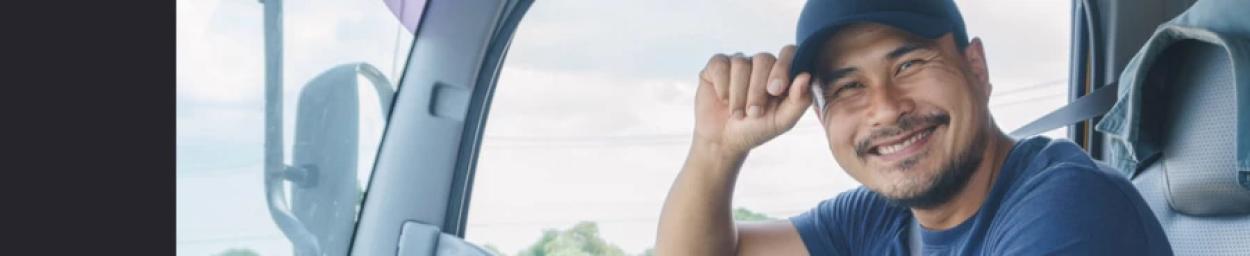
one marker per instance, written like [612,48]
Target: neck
[967,201]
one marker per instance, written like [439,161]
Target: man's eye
[908,64]
[848,86]
[853,85]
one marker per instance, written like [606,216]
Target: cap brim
[924,26]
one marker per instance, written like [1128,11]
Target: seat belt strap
[1089,106]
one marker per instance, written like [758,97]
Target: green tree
[493,250]
[740,214]
[238,252]
[582,239]
[743,214]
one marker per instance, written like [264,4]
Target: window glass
[593,114]
[221,199]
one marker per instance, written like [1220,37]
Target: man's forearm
[697,219]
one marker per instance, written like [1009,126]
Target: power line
[1051,83]
[682,136]
[1027,100]
[180,175]
[659,138]
[641,140]
[234,239]
[779,214]
[685,136]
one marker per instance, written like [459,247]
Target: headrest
[1184,106]
[1196,116]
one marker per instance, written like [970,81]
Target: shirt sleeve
[855,222]
[819,230]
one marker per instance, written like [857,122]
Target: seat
[1192,187]
[1182,127]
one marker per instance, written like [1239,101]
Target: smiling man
[903,96]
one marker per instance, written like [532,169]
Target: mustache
[905,123]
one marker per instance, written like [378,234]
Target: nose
[886,105]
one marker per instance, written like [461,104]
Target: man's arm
[740,103]
[697,219]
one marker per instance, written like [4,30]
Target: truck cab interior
[1159,89]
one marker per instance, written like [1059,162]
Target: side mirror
[324,192]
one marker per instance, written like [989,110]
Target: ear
[975,55]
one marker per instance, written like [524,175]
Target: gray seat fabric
[1192,186]
[1180,127]
[1193,235]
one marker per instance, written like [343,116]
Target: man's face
[905,116]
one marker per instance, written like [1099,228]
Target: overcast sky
[591,119]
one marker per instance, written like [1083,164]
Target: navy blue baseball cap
[822,18]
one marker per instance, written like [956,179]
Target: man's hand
[743,102]
[736,110]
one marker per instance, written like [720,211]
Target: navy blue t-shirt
[1049,198]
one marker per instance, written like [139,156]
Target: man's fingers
[779,76]
[717,73]
[739,81]
[800,98]
[706,91]
[757,96]
[747,84]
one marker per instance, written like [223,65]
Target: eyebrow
[909,46]
[903,50]
[829,77]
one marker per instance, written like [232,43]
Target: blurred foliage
[743,214]
[582,239]
[238,252]
[493,250]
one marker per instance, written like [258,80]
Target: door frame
[425,163]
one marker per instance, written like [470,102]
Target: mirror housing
[325,194]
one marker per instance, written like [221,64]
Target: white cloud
[1025,41]
[532,102]
[219,54]
[669,39]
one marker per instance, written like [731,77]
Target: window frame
[422,177]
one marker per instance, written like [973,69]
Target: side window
[593,116]
[1027,47]
[341,62]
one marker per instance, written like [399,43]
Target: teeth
[890,149]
